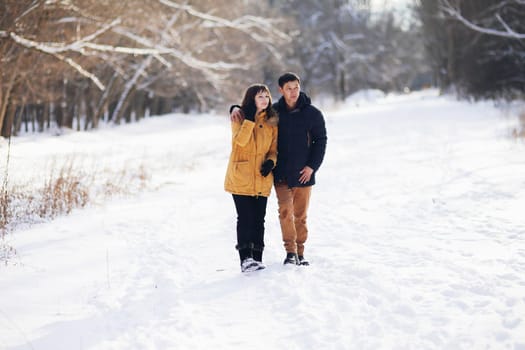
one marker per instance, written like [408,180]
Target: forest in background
[78,63]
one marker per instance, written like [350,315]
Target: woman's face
[262,100]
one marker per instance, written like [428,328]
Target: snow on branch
[126,50]
[81,70]
[102,30]
[55,49]
[80,45]
[241,23]
[259,29]
[85,42]
[33,6]
[185,58]
[507,33]
[244,24]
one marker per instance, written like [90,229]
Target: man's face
[290,92]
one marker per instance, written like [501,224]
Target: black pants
[250,225]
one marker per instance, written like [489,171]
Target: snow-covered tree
[477,45]
[327,47]
[341,47]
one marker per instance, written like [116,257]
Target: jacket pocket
[241,175]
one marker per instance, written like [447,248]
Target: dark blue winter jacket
[301,141]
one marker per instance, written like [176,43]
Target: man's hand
[236,115]
[306,174]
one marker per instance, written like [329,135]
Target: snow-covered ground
[417,241]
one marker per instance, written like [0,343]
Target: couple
[283,144]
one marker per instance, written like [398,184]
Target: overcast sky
[403,15]
[391,3]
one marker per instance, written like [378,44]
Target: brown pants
[293,206]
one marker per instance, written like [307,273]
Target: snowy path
[417,242]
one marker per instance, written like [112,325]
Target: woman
[249,176]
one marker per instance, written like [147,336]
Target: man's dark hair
[287,77]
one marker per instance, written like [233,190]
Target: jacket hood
[271,119]
[302,101]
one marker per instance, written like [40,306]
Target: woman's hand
[236,115]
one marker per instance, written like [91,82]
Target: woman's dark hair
[248,102]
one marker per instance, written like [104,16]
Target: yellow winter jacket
[252,144]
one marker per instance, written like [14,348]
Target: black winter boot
[291,258]
[303,261]
[257,252]
[245,251]
[257,255]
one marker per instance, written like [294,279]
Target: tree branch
[79,45]
[81,70]
[508,33]
[244,24]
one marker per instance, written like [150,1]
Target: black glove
[266,167]
[232,107]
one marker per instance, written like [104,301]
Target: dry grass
[62,192]
[520,132]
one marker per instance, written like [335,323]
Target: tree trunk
[73,105]
[342,84]
[130,87]
[69,106]
[7,127]
[139,105]
[47,116]
[128,113]
[6,97]
[40,115]
[167,105]
[103,103]
[26,117]
[78,112]
[58,111]
[122,106]
[154,105]
[90,109]
[18,119]
[451,57]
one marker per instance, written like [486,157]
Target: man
[301,146]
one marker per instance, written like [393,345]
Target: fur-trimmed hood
[273,119]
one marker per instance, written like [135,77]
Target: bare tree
[507,32]
[138,48]
[476,45]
